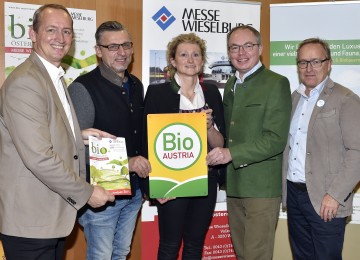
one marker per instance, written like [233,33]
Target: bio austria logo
[178,146]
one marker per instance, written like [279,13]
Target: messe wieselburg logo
[178,146]
[163,18]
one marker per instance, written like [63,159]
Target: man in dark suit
[322,158]
[257,106]
[41,147]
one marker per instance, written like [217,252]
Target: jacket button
[76,157]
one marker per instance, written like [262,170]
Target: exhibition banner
[18,46]
[211,20]
[217,244]
[177,148]
[332,21]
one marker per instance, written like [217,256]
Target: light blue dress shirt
[299,129]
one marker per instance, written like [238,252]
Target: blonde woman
[187,219]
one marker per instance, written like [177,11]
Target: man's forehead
[109,35]
[49,13]
[243,34]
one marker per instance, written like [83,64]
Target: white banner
[81,57]
[335,22]
[210,20]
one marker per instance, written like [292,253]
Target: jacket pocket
[327,113]
[253,105]
[329,178]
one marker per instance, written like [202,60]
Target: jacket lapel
[324,95]
[295,100]
[77,131]
[54,94]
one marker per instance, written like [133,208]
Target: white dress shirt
[241,80]
[56,75]
[198,100]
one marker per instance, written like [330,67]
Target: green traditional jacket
[257,120]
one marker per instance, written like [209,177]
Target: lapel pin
[320,103]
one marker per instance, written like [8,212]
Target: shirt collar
[255,68]
[315,91]
[110,75]
[178,81]
[54,72]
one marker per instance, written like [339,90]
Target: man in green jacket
[257,106]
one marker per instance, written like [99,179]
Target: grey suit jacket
[332,162]
[40,160]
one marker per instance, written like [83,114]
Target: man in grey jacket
[322,159]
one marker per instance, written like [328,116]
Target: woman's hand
[164,200]
[209,118]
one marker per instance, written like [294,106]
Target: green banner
[343,52]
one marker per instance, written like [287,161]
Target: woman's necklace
[189,96]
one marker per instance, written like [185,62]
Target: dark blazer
[164,98]
[40,160]
[101,104]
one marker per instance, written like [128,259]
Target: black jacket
[164,98]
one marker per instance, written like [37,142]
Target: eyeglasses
[303,64]
[246,47]
[115,47]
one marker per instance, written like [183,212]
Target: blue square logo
[163,18]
